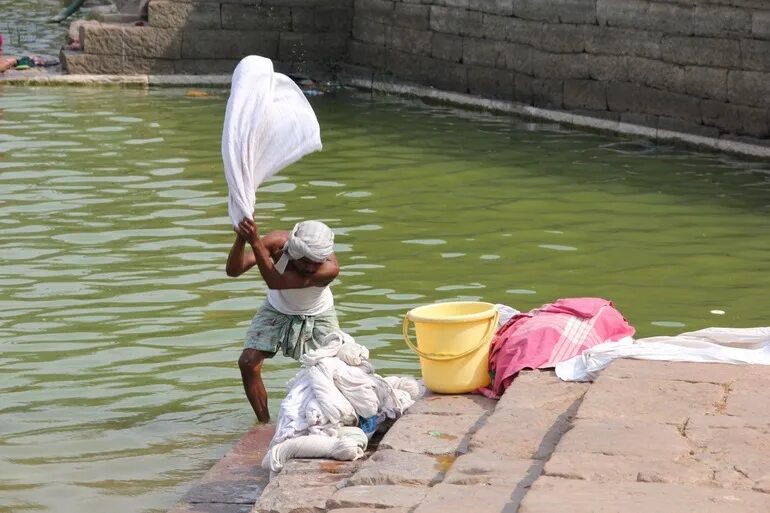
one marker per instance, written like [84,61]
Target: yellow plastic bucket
[453,344]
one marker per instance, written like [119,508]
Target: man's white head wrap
[309,239]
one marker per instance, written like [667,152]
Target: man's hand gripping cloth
[269,125]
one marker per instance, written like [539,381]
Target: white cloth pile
[269,125]
[710,345]
[335,388]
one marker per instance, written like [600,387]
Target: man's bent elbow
[232,273]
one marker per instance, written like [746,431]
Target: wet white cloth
[348,445]
[268,125]
[329,393]
[710,345]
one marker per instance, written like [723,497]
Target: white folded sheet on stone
[268,125]
[335,386]
[710,345]
[348,445]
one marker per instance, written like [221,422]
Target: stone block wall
[694,66]
[210,36]
[700,66]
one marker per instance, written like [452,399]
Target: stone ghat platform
[645,437]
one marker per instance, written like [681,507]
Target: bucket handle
[442,357]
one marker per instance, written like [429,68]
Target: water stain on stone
[332,467]
[444,462]
[442,436]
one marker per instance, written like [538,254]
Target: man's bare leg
[250,364]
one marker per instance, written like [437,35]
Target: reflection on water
[119,330]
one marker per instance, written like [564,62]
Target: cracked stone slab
[287,493]
[661,401]
[539,390]
[488,468]
[739,455]
[210,507]
[530,433]
[613,468]
[437,404]
[624,368]
[381,496]
[444,498]
[317,467]
[429,434]
[550,494]
[746,398]
[627,437]
[389,467]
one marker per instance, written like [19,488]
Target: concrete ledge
[133,81]
[725,144]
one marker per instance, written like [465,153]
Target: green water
[119,330]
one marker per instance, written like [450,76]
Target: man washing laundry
[298,313]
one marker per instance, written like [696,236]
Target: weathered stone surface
[256,17]
[561,38]
[411,40]
[742,395]
[657,74]
[633,437]
[705,83]
[228,44]
[749,88]
[371,510]
[413,16]
[452,497]
[488,468]
[526,433]
[287,493]
[301,47]
[318,467]
[740,119]
[448,76]
[504,7]
[540,390]
[371,32]
[694,127]
[429,434]
[447,47]
[386,467]
[621,41]
[380,11]
[518,58]
[739,455]
[700,51]
[490,82]
[522,90]
[131,41]
[611,398]
[720,21]
[755,55]
[561,11]
[384,496]
[548,494]
[321,19]
[608,67]
[722,115]
[547,93]
[585,94]
[525,32]
[626,368]
[210,507]
[205,66]
[614,468]
[621,13]
[484,52]
[80,63]
[178,15]
[760,24]
[558,65]
[367,55]
[452,20]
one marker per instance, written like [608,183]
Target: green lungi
[271,330]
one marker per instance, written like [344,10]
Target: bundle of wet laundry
[335,403]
